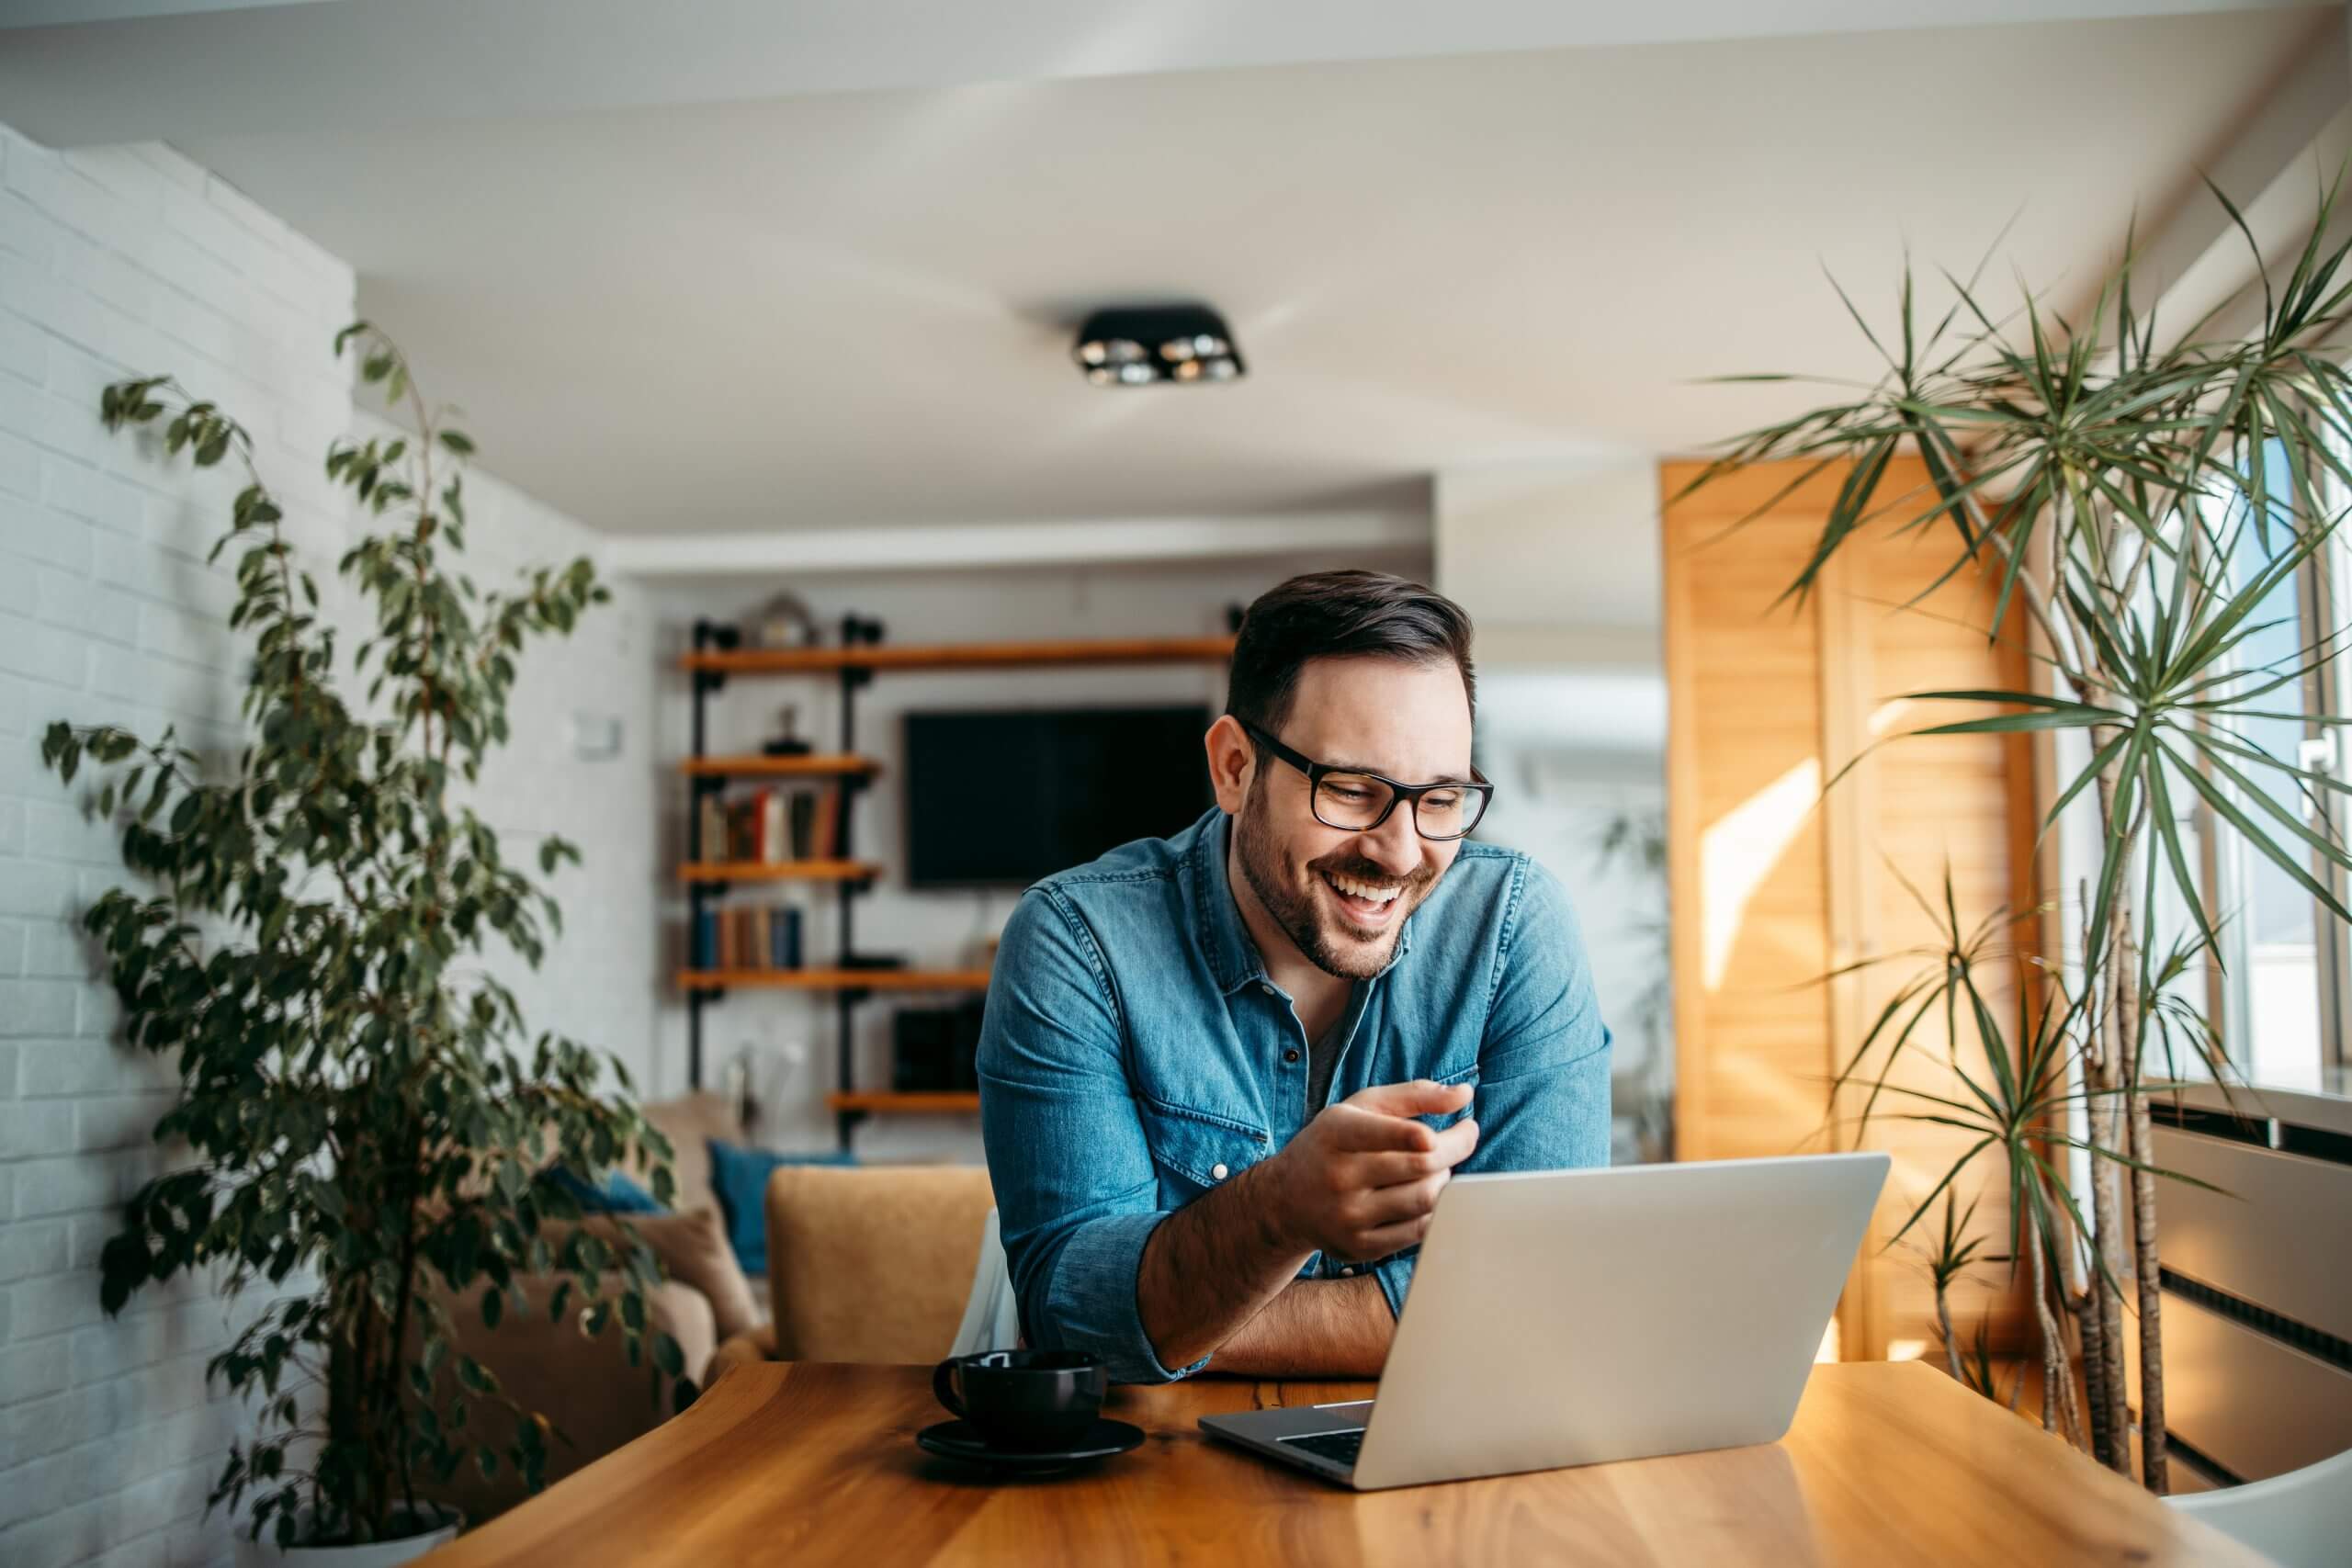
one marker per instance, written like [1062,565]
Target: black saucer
[962,1440]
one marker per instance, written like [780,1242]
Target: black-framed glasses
[1356,802]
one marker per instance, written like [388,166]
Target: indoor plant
[373,1130]
[2137,499]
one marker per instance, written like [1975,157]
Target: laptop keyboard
[1340,1447]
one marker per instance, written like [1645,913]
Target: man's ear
[1232,756]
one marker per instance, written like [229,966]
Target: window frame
[2322,585]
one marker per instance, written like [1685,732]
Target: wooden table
[814,1463]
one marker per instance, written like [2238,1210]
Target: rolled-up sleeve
[1076,1192]
[1542,1095]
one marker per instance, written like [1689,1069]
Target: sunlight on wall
[1739,851]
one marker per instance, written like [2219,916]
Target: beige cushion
[873,1263]
[690,1121]
[693,1248]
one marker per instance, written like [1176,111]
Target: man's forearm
[1211,1267]
[1314,1328]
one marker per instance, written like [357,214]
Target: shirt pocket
[1468,1074]
[1199,1146]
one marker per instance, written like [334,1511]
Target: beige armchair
[866,1263]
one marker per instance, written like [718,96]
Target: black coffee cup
[1024,1399]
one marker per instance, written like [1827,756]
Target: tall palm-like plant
[2111,480]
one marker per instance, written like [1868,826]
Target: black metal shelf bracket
[855,632]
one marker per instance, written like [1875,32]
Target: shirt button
[1346,1269]
[1268,989]
[1217,1171]
[1290,1055]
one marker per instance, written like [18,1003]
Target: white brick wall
[133,261]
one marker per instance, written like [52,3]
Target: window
[2281,1000]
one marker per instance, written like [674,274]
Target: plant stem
[2110,1415]
[2154,1469]
[2105,1050]
[2055,1381]
[2040,603]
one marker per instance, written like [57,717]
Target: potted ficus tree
[2140,501]
[367,1128]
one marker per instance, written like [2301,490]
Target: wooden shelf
[780,871]
[836,979]
[824,764]
[934,1103]
[961,656]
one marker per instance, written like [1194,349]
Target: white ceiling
[853,306]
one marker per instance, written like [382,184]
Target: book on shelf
[746,937]
[771,826]
[824,839]
[774,844]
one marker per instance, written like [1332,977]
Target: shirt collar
[1233,957]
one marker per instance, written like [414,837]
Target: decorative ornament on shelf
[785,621]
[743,1097]
[788,741]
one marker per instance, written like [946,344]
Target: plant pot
[435,1526]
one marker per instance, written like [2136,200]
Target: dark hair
[1341,614]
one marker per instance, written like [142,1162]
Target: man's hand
[1360,1180]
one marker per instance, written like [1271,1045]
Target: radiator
[2258,1280]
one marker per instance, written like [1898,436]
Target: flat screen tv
[999,799]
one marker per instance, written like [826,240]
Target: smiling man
[1225,1076]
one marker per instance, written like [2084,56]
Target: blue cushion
[618,1195]
[739,1176]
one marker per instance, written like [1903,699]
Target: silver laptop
[1573,1316]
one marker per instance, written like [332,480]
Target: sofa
[585,1386]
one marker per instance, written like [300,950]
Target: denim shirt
[1135,1054]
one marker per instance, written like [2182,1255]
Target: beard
[1286,889]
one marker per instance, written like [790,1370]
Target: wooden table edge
[530,1531]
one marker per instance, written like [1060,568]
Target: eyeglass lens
[1357,800]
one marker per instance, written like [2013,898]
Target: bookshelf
[835,979]
[957,656]
[930,1102]
[821,765]
[859,657]
[725,872]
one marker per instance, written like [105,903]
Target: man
[1225,1076]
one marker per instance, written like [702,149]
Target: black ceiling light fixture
[1131,345]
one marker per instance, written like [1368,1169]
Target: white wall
[1558,564]
[599,983]
[793,1036]
[131,261]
